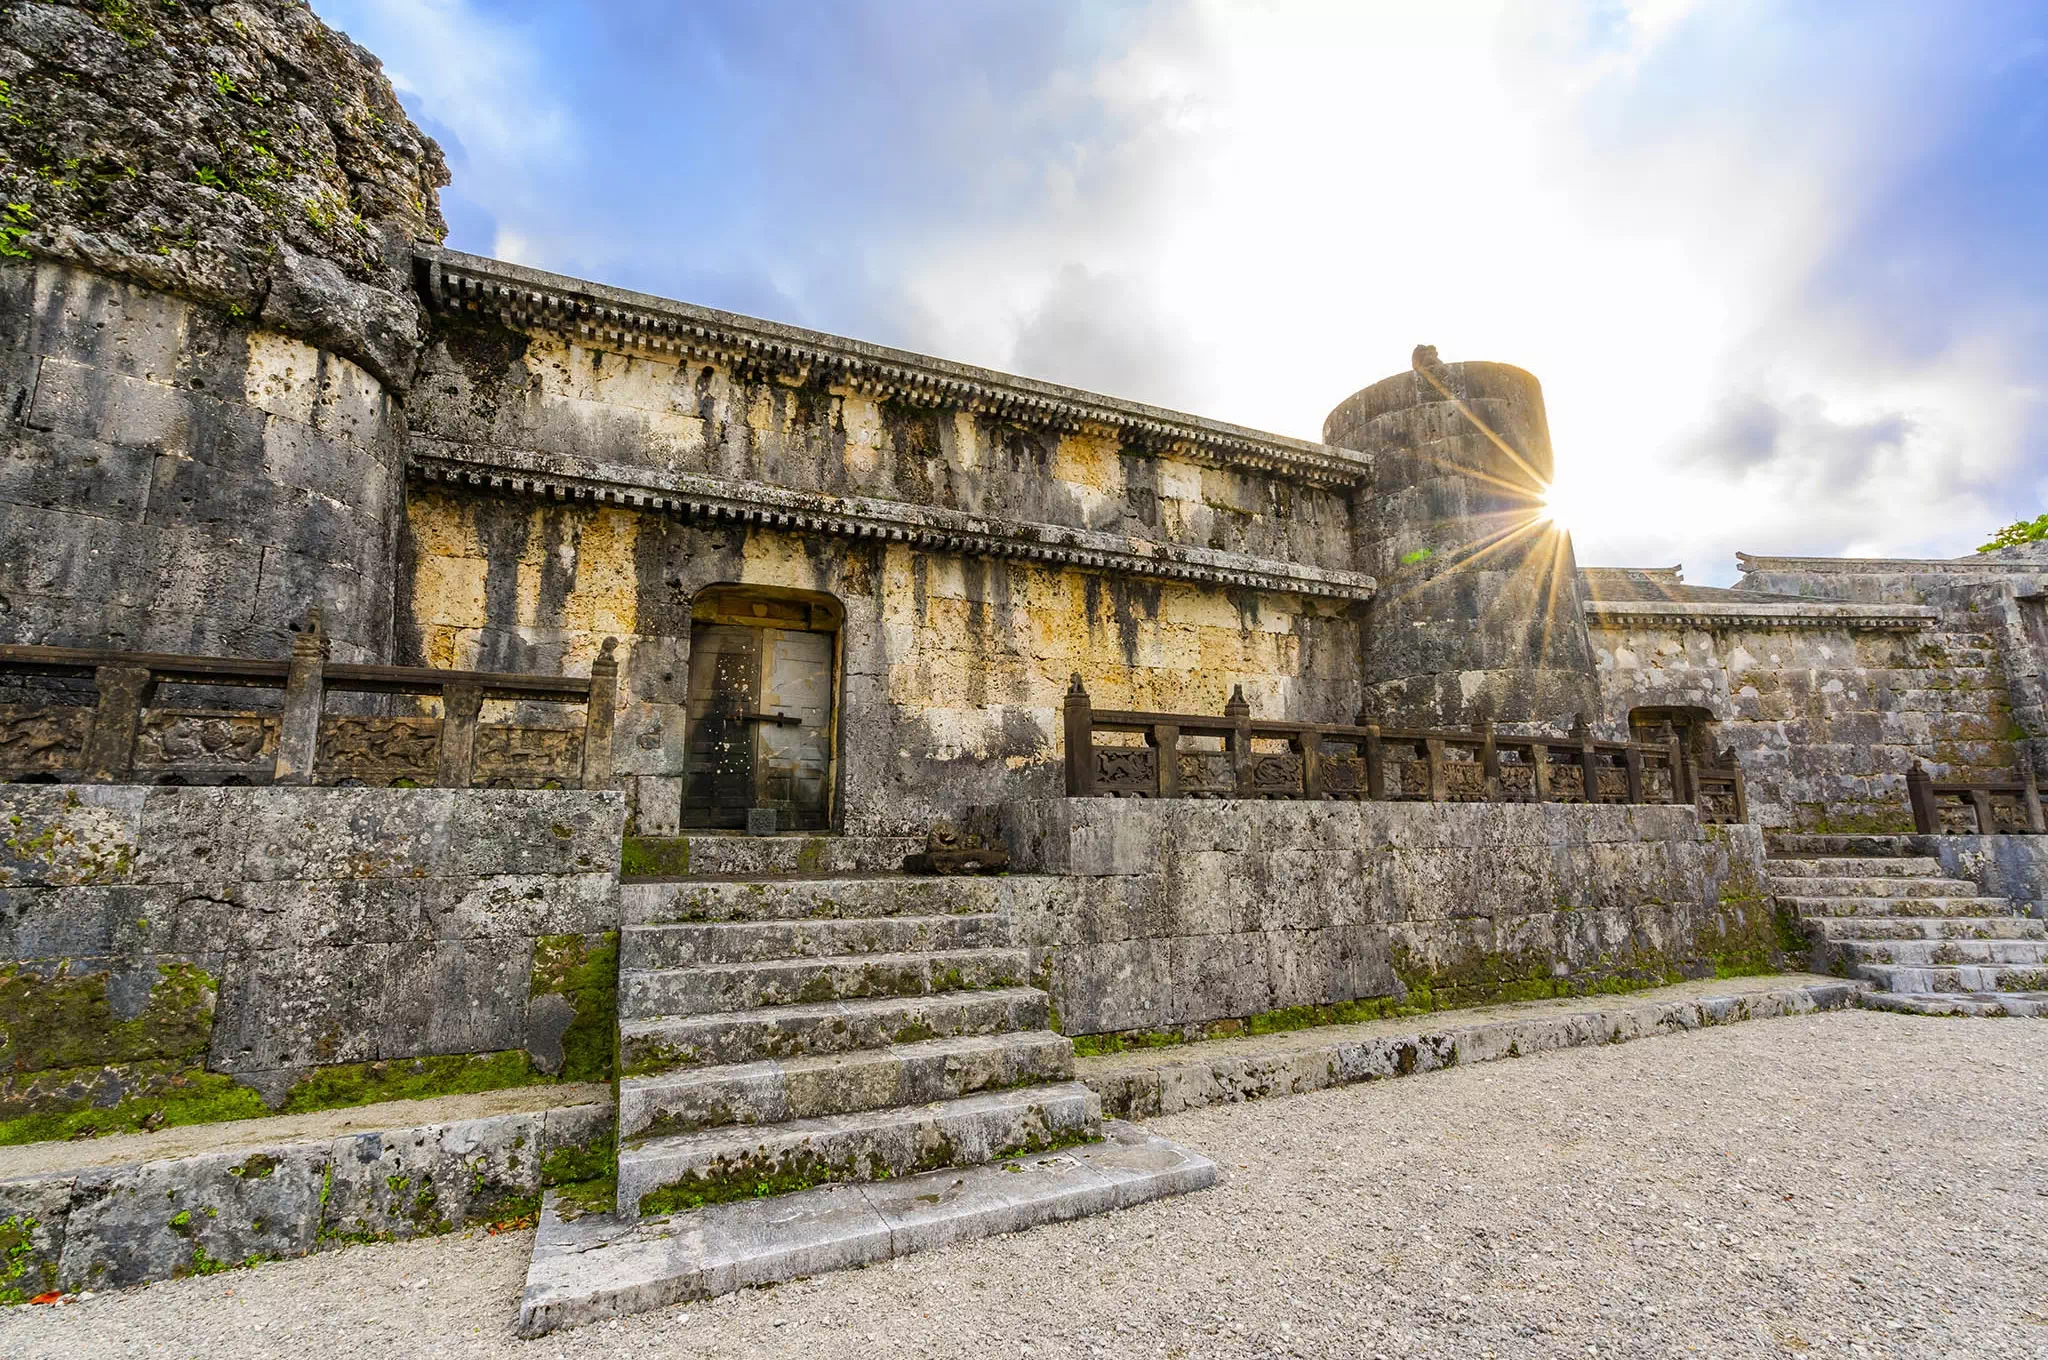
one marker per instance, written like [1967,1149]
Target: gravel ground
[1856,1184]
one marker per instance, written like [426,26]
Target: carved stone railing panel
[527,757]
[1276,775]
[378,750]
[1344,776]
[1127,770]
[37,741]
[1207,773]
[205,739]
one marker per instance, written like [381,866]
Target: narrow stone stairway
[823,1062]
[1932,945]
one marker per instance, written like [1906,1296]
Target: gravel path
[1849,1184]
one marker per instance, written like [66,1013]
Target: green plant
[2016,533]
[1409,559]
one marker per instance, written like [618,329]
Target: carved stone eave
[693,497]
[1683,614]
[594,314]
[1888,566]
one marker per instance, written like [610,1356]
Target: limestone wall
[172,480]
[1826,721]
[176,953]
[1190,918]
[485,387]
[952,668]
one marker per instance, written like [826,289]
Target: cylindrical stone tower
[1479,611]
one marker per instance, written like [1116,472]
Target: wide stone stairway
[1932,945]
[824,1062]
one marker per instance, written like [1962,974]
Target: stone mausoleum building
[429,674]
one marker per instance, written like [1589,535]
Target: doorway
[762,721]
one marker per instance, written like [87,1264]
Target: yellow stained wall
[967,659]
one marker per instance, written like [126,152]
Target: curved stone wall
[1479,611]
[173,481]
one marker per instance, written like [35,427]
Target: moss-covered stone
[654,857]
[584,971]
[60,1104]
[346,1084]
[63,1018]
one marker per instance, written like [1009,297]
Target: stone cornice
[593,313]
[1872,566]
[1763,614]
[720,501]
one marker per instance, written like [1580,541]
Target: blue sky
[1782,267]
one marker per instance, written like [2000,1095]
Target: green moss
[62,1019]
[584,971]
[23,1272]
[166,1095]
[810,856]
[654,857]
[332,1088]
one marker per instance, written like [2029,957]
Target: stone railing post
[460,705]
[1310,745]
[305,694]
[1589,757]
[109,754]
[2030,790]
[599,715]
[1439,783]
[1920,797]
[1239,711]
[1539,770]
[1489,761]
[1632,763]
[1375,771]
[1166,760]
[1674,755]
[1079,720]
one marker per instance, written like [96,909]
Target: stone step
[1931,953]
[872,1079]
[786,982]
[1876,887]
[667,1043]
[594,1267]
[714,1166]
[1898,906]
[643,948]
[734,855]
[1903,866]
[695,900]
[1960,977]
[1807,845]
[1985,1005]
[1835,928]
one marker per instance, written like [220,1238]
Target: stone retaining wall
[104,1227]
[2015,867]
[1187,916]
[180,955]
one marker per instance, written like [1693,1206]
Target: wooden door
[760,719]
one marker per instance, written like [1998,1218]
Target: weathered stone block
[407,1182]
[33,1216]
[163,1219]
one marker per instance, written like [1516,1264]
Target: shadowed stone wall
[1479,611]
[178,953]
[1180,914]
[173,481]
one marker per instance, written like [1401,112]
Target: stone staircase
[1932,945]
[799,1021]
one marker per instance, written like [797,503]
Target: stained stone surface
[267,932]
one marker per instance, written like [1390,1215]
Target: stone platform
[597,1266]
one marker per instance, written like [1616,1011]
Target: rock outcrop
[242,155]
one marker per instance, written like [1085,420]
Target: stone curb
[1190,1079]
[104,1227]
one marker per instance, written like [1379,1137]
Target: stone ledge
[1219,1072]
[1872,566]
[270,1188]
[1763,614]
[594,1267]
[714,500]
